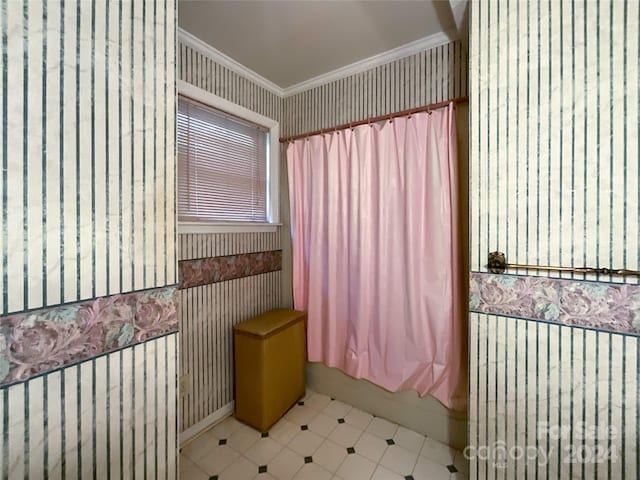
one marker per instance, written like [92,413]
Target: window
[226,173]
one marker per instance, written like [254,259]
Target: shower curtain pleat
[376,262]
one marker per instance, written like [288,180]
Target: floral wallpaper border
[32,343]
[613,307]
[203,271]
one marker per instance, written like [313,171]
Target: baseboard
[195,430]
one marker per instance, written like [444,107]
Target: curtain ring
[390,118]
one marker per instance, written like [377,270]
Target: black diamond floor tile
[308,459]
[452,468]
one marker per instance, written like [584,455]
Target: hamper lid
[268,323]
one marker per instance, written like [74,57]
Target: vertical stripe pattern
[426,77]
[83,203]
[522,397]
[207,316]
[208,313]
[45,414]
[555,126]
[554,181]
[75,168]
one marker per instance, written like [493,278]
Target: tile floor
[319,439]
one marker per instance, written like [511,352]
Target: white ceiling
[288,42]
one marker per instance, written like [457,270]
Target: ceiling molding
[203,47]
[432,41]
[435,40]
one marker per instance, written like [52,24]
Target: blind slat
[222,166]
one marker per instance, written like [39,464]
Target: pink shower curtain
[375,253]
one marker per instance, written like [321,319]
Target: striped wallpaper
[555,134]
[528,376]
[202,245]
[554,181]
[88,179]
[87,150]
[208,313]
[207,316]
[113,416]
[426,77]
[198,69]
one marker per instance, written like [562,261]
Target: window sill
[226,227]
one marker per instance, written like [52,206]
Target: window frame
[273,165]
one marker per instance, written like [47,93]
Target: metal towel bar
[498,264]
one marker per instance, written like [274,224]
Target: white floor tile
[264,476]
[323,425]
[199,447]
[226,428]
[218,460]
[263,451]
[399,460]
[336,409]
[345,435]
[317,401]
[438,452]
[358,447]
[370,446]
[356,467]
[382,428]
[382,473]
[285,465]
[283,431]
[408,439]
[358,418]
[301,414]
[243,438]
[311,471]
[425,469]
[190,471]
[329,455]
[241,469]
[459,476]
[305,443]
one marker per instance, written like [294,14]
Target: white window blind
[222,166]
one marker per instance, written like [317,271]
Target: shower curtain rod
[379,118]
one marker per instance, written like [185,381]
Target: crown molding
[432,41]
[223,59]
[425,43]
